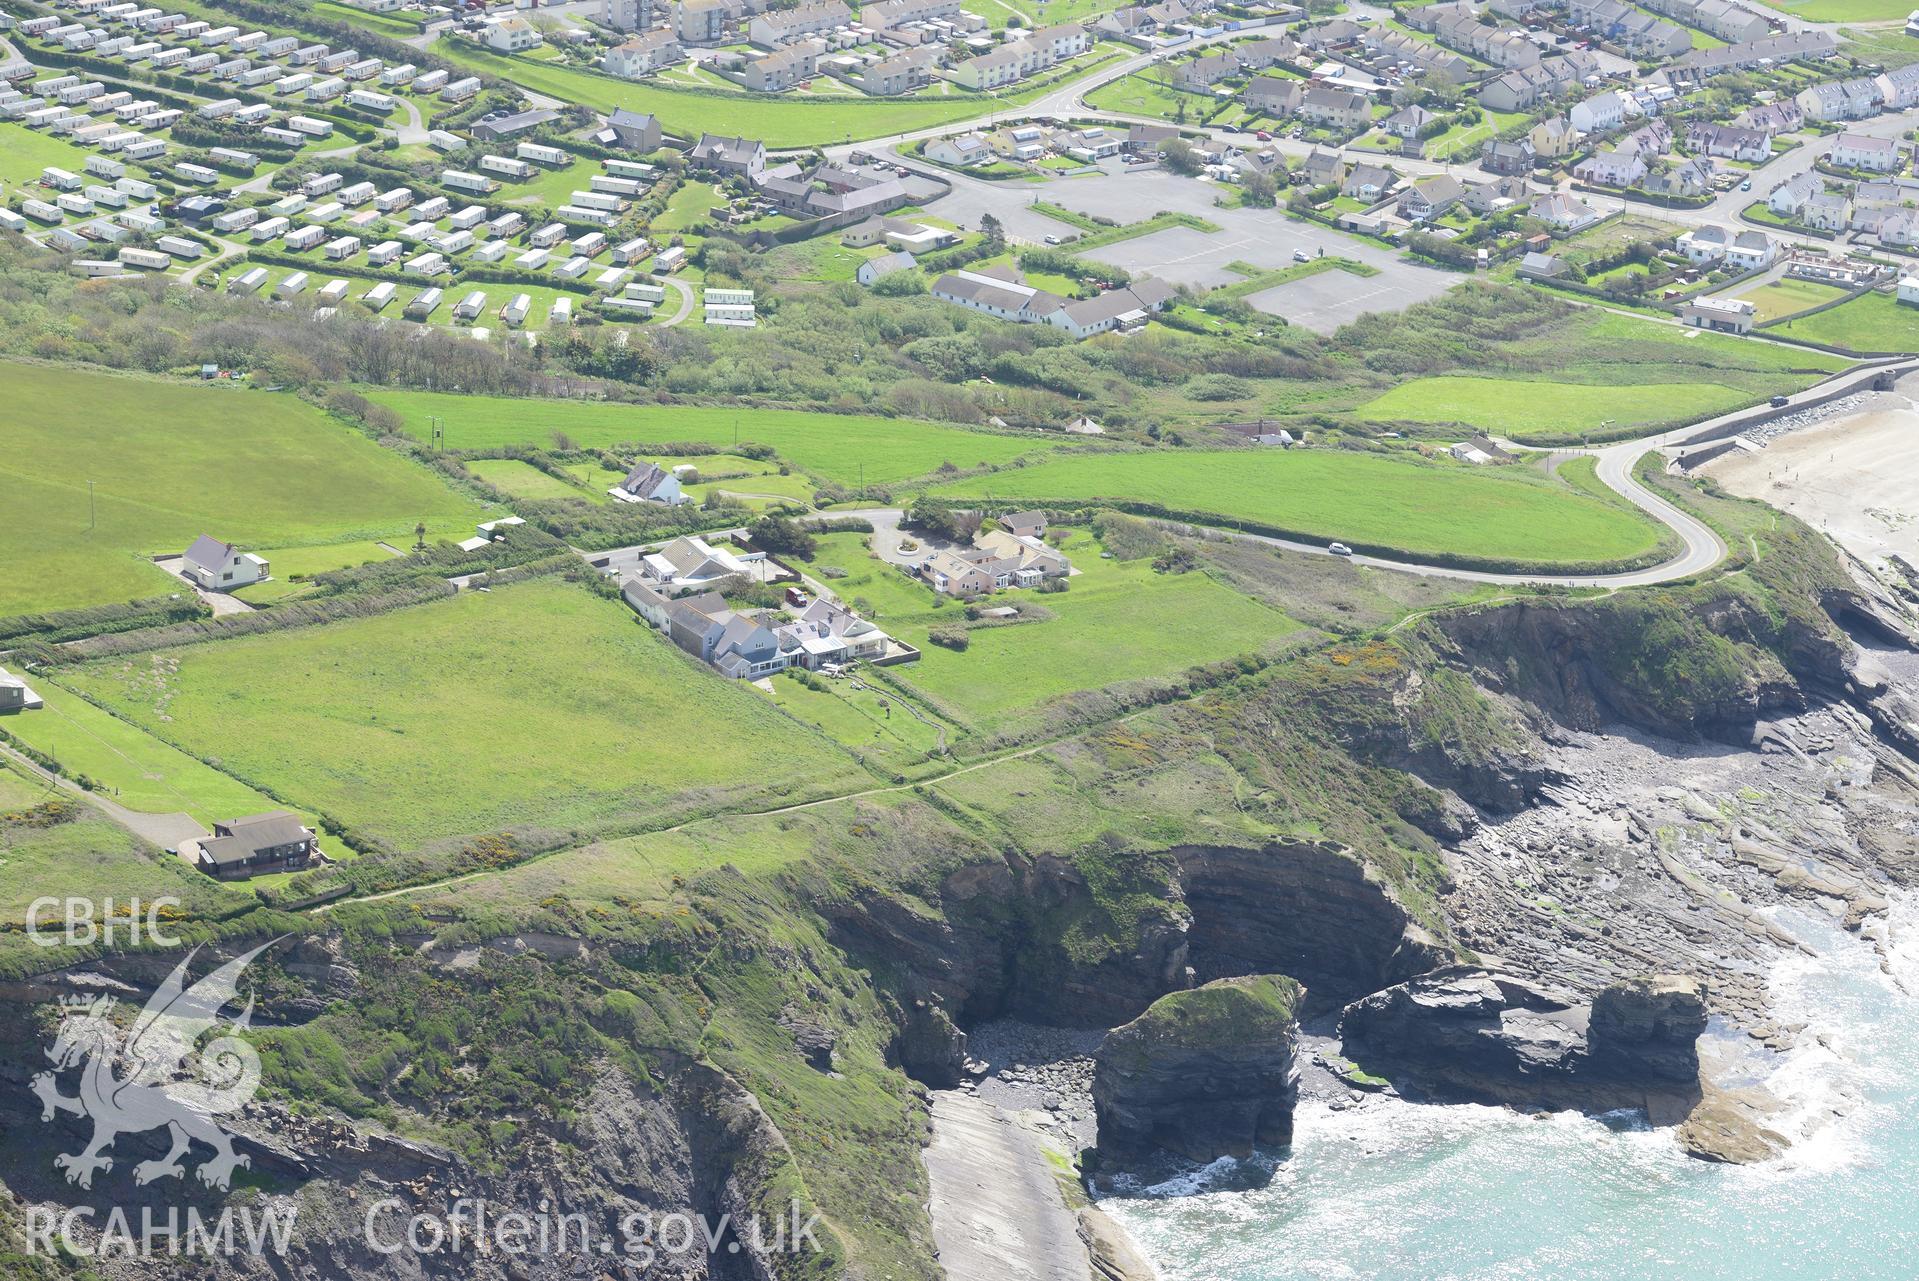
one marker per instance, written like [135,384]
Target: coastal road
[1700,548]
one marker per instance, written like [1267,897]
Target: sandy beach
[1855,476]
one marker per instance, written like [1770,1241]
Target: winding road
[1700,547]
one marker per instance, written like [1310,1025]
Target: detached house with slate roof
[215,566]
[647,483]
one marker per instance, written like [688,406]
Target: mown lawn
[535,706]
[1787,297]
[292,566]
[690,204]
[788,120]
[1869,323]
[170,460]
[1508,515]
[1523,408]
[524,480]
[831,445]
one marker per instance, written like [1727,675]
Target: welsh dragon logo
[167,1082]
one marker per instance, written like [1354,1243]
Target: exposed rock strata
[1470,1033]
[1202,1074]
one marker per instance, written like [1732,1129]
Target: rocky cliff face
[1201,1074]
[1306,908]
[1464,1032]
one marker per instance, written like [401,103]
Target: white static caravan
[433,209]
[145,259]
[561,312]
[380,295]
[533,259]
[628,187]
[514,313]
[138,188]
[599,200]
[430,81]
[389,201]
[320,184]
[200,174]
[461,180]
[95,267]
[60,179]
[271,229]
[591,245]
[287,86]
[356,195]
[646,292]
[540,153]
[573,268]
[425,303]
[384,253]
[248,283]
[506,167]
[304,238]
[468,218]
[595,217]
[460,90]
[343,248]
[394,77]
[292,286]
[235,220]
[426,264]
[334,292]
[632,251]
[470,307]
[74,203]
[367,100]
[491,251]
[309,126]
[442,141]
[106,196]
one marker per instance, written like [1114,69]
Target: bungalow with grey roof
[254,846]
[15,696]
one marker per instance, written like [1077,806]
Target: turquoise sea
[1396,1191]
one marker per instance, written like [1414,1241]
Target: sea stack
[1202,1074]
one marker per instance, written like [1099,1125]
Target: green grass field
[533,706]
[86,856]
[171,460]
[788,120]
[1787,297]
[688,205]
[1117,622]
[1527,408]
[24,153]
[1148,94]
[292,566]
[1503,515]
[1843,10]
[1871,322]
[524,480]
[831,445]
[132,767]
[869,722]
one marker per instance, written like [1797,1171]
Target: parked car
[1300,255]
[1779,402]
[1262,135]
[1052,240]
[1339,549]
[1746,185]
